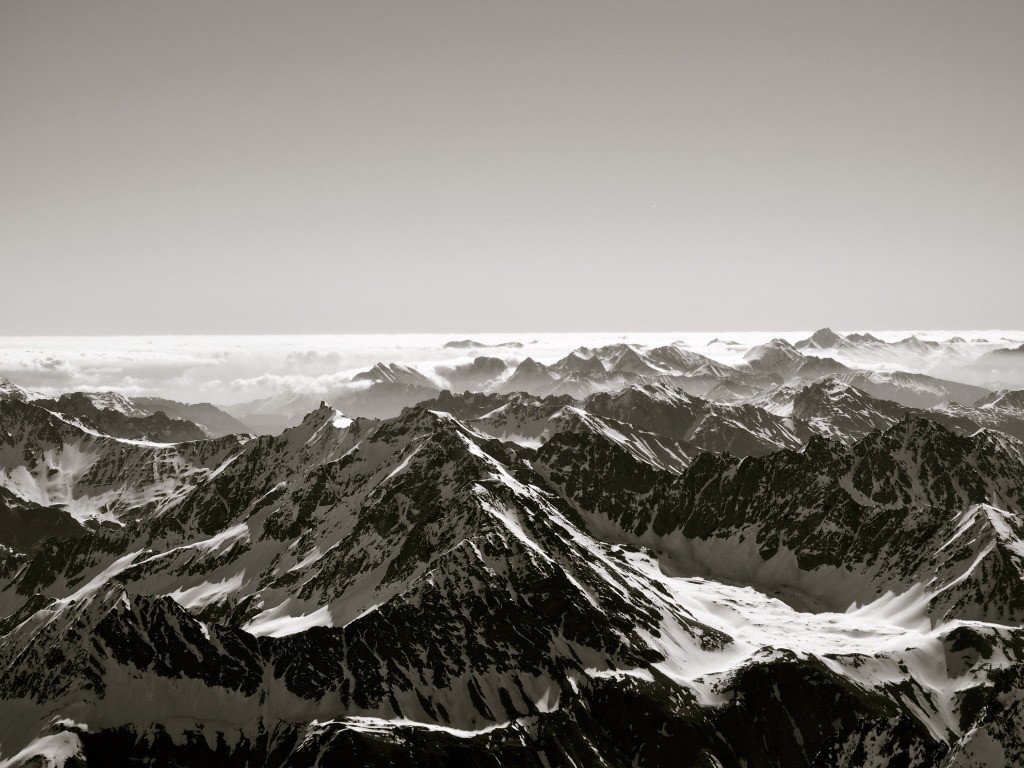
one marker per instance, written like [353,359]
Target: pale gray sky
[218,167]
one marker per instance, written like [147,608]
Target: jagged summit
[116,415]
[624,358]
[325,414]
[863,338]
[393,373]
[775,356]
[11,391]
[112,401]
[825,338]
[843,412]
[916,344]
[682,360]
[1003,399]
[528,376]
[574,362]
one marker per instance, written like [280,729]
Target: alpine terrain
[782,554]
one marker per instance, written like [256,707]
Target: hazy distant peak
[863,338]
[824,338]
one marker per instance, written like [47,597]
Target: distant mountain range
[910,371]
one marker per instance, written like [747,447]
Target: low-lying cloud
[232,369]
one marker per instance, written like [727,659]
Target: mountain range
[911,371]
[624,556]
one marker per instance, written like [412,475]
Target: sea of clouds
[232,369]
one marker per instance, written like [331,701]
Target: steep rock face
[650,448]
[117,416]
[11,391]
[742,430]
[24,525]
[470,406]
[52,460]
[517,417]
[1004,400]
[912,504]
[916,344]
[530,421]
[839,411]
[576,363]
[679,360]
[1002,411]
[214,420]
[813,368]
[825,338]
[835,409]
[394,373]
[64,649]
[260,473]
[662,424]
[913,390]
[989,715]
[623,358]
[530,376]
[776,356]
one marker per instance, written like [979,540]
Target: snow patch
[277,622]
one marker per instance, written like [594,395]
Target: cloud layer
[231,369]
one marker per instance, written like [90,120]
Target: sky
[455,167]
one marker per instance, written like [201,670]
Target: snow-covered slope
[115,415]
[11,391]
[50,459]
[216,421]
[912,389]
